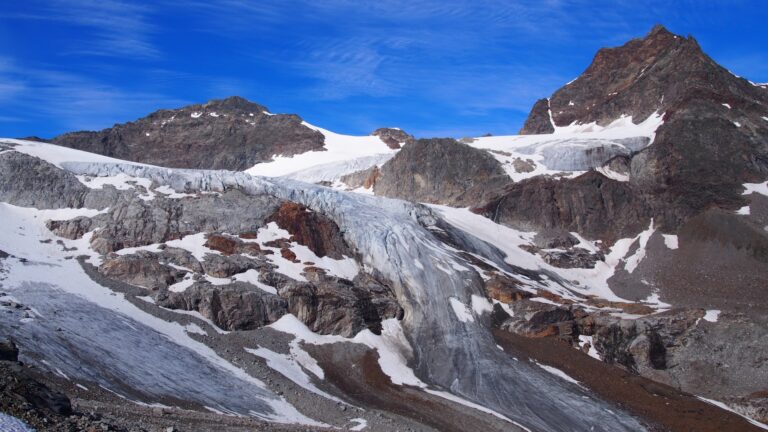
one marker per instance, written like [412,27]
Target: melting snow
[743,211]
[558,373]
[632,262]
[196,114]
[761,188]
[361,424]
[712,315]
[611,174]
[252,277]
[670,240]
[462,311]
[290,367]
[592,350]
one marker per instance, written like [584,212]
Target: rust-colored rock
[504,289]
[223,244]
[289,255]
[311,229]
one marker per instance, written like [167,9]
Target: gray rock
[236,306]
[441,171]
[141,269]
[31,182]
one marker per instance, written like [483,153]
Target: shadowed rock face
[231,133]
[440,171]
[591,204]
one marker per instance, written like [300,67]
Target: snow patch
[360,424]
[712,315]
[558,373]
[631,263]
[592,352]
[761,188]
[462,311]
[670,240]
[743,211]
[342,154]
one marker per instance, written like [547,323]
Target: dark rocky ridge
[231,133]
[441,171]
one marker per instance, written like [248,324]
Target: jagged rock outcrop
[311,229]
[132,221]
[236,306]
[394,138]
[440,171]
[591,204]
[141,269]
[230,133]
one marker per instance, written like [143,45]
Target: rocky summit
[218,266]
[230,133]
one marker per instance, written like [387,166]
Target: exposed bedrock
[230,133]
[591,204]
[311,229]
[440,171]
[393,138]
[132,221]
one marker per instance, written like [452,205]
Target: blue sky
[434,68]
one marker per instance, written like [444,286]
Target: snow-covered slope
[570,150]
[342,154]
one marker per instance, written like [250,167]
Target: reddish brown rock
[223,244]
[311,229]
[504,289]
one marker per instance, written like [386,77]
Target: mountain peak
[643,76]
[235,103]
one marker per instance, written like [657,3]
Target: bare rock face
[440,171]
[538,121]
[141,269]
[311,229]
[393,138]
[364,178]
[236,306]
[231,133]
[132,221]
[591,204]
[31,182]
[330,305]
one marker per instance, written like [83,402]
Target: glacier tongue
[449,353]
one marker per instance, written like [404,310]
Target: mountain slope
[230,133]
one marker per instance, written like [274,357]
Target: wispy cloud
[112,27]
[74,101]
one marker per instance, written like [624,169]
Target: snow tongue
[452,351]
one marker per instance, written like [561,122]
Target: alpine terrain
[221,267]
